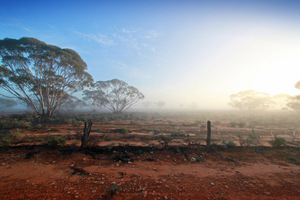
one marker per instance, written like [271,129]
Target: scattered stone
[212,184]
[93,191]
[144,193]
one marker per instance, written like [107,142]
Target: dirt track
[39,172]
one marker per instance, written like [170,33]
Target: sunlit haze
[189,54]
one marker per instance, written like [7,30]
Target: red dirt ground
[239,173]
[32,170]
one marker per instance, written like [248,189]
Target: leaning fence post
[86,133]
[208,133]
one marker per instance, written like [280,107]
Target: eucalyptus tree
[293,103]
[115,95]
[251,100]
[41,75]
[7,103]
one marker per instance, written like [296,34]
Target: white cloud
[99,38]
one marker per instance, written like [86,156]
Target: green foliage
[36,73]
[6,103]
[178,133]
[293,160]
[57,141]
[113,190]
[253,138]
[115,95]
[76,123]
[93,141]
[166,139]
[10,138]
[242,141]
[14,123]
[229,143]
[278,142]
[199,159]
[121,130]
[110,146]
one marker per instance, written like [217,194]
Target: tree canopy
[39,74]
[251,100]
[7,103]
[115,95]
[293,103]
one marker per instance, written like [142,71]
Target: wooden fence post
[86,133]
[208,138]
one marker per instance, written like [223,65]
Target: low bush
[120,130]
[113,190]
[278,142]
[10,138]
[229,143]
[57,141]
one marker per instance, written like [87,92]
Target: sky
[186,53]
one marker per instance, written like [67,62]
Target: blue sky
[181,52]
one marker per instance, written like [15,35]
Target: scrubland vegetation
[178,128]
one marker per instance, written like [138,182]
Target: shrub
[120,130]
[113,190]
[229,143]
[278,142]
[57,141]
[166,139]
[232,124]
[76,123]
[93,141]
[156,132]
[242,141]
[253,138]
[10,138]
[178,133]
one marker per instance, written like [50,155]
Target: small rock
[144,193]
[212,184]
[93,191]
[165,197]
[267,193]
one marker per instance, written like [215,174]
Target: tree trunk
[208,138]
[86,133]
